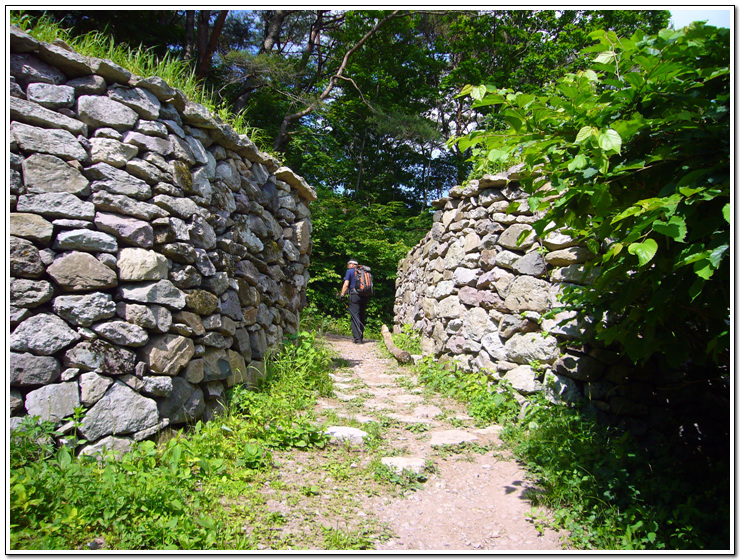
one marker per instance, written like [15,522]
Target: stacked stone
[477,287]
[155,254]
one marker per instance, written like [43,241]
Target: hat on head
[352,261]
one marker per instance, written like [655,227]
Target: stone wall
[477,287]
[155,254]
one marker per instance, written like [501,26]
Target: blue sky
[719,16]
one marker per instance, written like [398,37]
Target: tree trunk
[189,50]
[272,29]
[401,355]
[207,45]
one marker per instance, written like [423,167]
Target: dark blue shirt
[350,276]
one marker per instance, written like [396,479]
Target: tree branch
[282,137]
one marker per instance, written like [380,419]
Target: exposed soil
[473,498]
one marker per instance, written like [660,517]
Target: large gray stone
[120,411]
[25,261]
[51,96]
[569,256]
[92,387]
[143,101]
[109,70]
[168,354]
[30,226]
[163,292]
[28,370]
[43,173]
[88,85]
[34,114]
[156,85]
[27,69]
[115,181]
[59,54]
[157,386]
[523,379]
[53,402]
[120,204]
[509,239]
[524,348]
[531,264]
[580,367]
[122,333]
[216,365]
[101,356]
[81,272]
[135,264]
[99,112]
[448,308]
[55,142]
[111,151]
[110,444]
[341,434]
[85,240]
[527,293]
[185,404]
[160,146]
[56,205]
[43,334]
[20,41]
[126,229]
[561,389]
[30,293]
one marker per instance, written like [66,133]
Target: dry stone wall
[478,286]
[155,254]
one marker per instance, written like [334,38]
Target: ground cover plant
[169,495]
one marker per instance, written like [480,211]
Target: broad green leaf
[605,57]
[704,269]
[644,251]
[610,140]
[477,92]
[590,172]
[578,162]
[584,133]
[523,100]
[513,120]
[715,257]
[674,228]
[726,212]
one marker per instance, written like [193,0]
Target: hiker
[357,303]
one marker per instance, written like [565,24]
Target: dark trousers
[358,315]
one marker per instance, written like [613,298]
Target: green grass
[185,493]
[141,62]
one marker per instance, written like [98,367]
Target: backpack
[363,281]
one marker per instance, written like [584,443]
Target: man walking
[357,303]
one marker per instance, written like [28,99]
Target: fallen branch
[401,355]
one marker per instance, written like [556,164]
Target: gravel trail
[474,499]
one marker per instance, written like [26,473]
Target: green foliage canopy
[637,153]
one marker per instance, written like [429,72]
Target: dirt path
[474,497]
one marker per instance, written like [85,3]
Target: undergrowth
[605,490]
[170,496]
